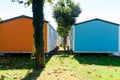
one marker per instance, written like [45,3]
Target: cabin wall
[16,35]
[71,37]
[96,36]
[45,37]
[52,38]
[118,53]
[119,38]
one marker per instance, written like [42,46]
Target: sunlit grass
[68,67]
[13,74]
[65,67]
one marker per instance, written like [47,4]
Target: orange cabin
[16,35]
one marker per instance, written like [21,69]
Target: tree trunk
[38,22]
[65,39]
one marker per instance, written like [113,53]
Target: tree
[65,12]
[0,19]
[61,29]
[38,16]
[38,21]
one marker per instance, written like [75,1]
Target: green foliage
[60,31]
[65,13]
[0,19]
[28,2]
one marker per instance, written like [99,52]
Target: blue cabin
[95,35]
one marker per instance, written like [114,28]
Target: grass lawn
[62,67]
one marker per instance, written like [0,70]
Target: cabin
[16,35]
[95,36]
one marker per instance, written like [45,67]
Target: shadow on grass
[16,61]
[97,59]
[36,73]
[32,75]
[19,62]
[63,54]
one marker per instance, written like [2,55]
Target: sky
[104,9]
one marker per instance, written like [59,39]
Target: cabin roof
[97,19]
[21,16]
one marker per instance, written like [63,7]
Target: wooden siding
[45,37]
[16,35]
[95,36]
[52,38]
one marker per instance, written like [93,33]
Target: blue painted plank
[96,36]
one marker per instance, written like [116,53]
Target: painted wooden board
[95,36]
[16,35]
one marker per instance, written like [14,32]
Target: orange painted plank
[17,35]
[45,37]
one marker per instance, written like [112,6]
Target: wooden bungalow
[96,36]
[16,35]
